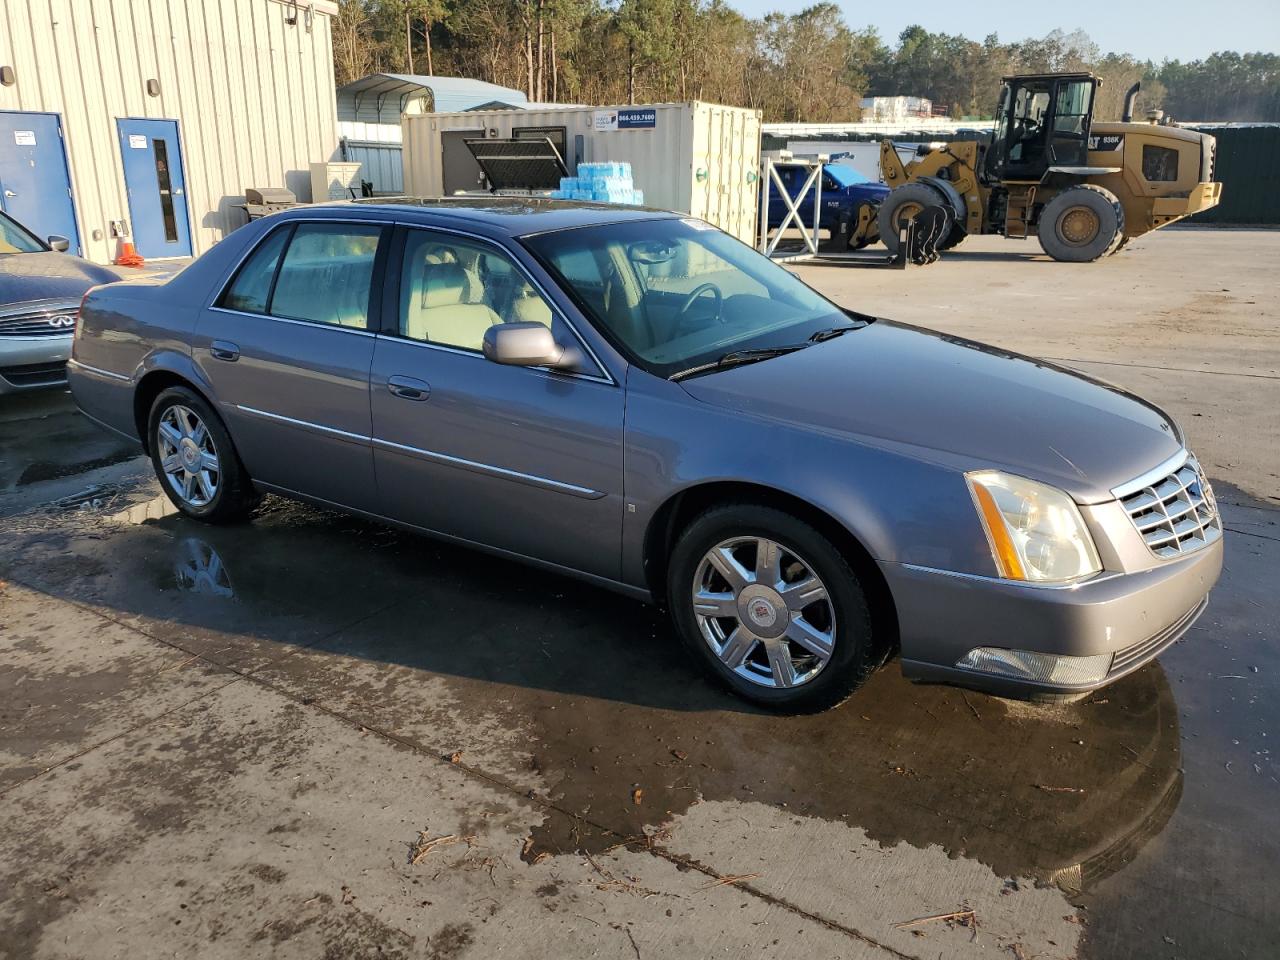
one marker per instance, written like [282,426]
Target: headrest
[443,285]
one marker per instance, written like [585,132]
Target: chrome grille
[52,321]
[1175,514]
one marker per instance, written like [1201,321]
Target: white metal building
[152,117]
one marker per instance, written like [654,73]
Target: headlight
[1036,531]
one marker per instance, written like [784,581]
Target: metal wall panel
[381,164]
[1250,177]
[252,94]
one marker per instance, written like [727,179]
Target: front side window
[327,274]
[452,290]
[1159,164]
[674,294]
[15,239]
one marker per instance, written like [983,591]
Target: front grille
[1176,514]
[1142,651]
[36,374]
[52,321]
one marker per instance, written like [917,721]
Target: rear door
[35,187]
[287,347]
[523,459]
[151,154]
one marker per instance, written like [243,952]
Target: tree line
[807,66]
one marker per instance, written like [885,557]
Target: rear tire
[195,460]
[905,203]
[1081,224]
[817,596]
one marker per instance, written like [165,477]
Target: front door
[154,180]
[35,187]
[519,458]
[287,348]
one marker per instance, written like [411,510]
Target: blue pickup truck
[850,204]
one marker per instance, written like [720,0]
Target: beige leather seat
[437,310]
[530,307]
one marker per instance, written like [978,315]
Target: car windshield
[14,238]
[678,294]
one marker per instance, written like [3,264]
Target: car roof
[510,216]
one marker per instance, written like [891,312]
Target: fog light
[1042,667]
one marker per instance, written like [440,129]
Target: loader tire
[954,238]
[904,203]
[1081,224]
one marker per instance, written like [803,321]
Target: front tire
[195,460]
[1081,224]
[770,609]
[902,204]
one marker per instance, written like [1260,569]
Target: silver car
[639,400]
[40,290]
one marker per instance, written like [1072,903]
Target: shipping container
[697,158]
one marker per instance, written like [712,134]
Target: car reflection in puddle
[1066,794]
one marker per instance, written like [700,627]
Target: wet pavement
[236,742]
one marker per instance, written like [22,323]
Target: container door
[35,187]
[154,180]
[459,169]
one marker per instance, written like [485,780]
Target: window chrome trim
[305,424]
[559,486]
[79,365]
[1154,475]
[304,323]
[607,376]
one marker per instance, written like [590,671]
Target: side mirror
[522,344]
[61,244]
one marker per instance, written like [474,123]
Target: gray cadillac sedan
[639,400]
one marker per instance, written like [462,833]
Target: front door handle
[224,350]
[409,388]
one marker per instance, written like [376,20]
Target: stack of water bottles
[608,182]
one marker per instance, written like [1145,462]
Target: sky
[1167,29]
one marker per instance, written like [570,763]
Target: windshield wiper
[736,358]
[832,332]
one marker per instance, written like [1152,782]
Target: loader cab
[1042,121]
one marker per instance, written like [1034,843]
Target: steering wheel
[697,292]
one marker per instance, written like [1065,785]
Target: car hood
[48,276]
[955,401]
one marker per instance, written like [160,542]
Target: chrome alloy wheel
[764,612]
[187,456]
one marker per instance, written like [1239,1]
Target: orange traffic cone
[128,255]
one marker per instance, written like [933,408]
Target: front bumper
[1202,196]
[1134,616]
[33,363]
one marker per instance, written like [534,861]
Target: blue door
[35,187]
[157,189]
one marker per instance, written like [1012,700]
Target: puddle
[585,697]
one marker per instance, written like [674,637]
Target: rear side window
[327,274]
[1159,164]
[251,288]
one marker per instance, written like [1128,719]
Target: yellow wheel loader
[1083,188]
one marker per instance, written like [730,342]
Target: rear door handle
[224,350]
[409,388]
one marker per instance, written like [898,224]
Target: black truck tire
[905,203]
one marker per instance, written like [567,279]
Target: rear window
[251,288]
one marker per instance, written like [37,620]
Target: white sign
[137,141]
[24,138]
